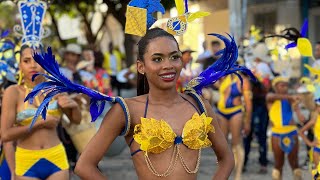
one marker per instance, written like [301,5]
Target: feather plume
[57,83]
[225,65]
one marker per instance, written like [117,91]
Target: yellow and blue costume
[225,107]
[44,162]
[156,136]
[316,131]
[281,115]
[4,167]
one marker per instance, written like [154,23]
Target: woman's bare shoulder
[12,91]
[136,100]
[136,105]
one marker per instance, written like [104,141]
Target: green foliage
[7,18]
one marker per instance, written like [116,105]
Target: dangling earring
[20,77]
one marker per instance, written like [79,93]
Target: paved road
[121,167]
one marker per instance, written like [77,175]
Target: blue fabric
[234,92]
[229,116]
[5,173]
[316,149]
[286,112]
[42,169]
[286,148]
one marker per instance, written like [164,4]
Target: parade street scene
[160,89]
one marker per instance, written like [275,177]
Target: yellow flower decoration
[195,132]
[286,141]
[153,135]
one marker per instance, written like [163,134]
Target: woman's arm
[9,150]
[111,127]
[70,108]
[300,116]
[221,148]
[247,95]
[273,96]
[9,132]
[306,127]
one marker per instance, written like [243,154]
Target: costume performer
[150,137]
[35,157]
[232,114]
[284,131]
[314,106]
[8,71]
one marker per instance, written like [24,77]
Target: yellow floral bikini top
[156,136]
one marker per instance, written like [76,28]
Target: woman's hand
[246,129]
[49,123]
[65,102]
[313,143]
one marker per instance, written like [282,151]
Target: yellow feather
[304,47]
[180,7]
[312,70]
[196,15]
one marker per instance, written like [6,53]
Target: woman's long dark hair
[142,83]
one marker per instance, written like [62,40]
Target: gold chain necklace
[173,162]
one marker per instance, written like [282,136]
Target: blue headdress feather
[57,83]
[225,65]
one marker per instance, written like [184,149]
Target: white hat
[73,48]
[261,51]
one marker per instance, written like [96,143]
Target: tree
[78,8]
[118,9]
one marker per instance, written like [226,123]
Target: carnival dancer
[152,122]
[232,114]
[284,131]
[45,157]
[315,144]
[159,66]
[8,71]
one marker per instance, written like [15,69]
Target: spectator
[316,64]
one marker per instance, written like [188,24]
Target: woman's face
[28,65]
[162,63]
[282,87]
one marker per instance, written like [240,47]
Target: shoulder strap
[198,99]
[125,109]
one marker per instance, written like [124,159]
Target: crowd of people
[47,133]
[242,109]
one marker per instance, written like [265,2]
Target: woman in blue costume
[232,114]
[39,153]
[284,131]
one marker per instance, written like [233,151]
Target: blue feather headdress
[223,66]
[57,83]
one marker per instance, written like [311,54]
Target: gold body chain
[173,162]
